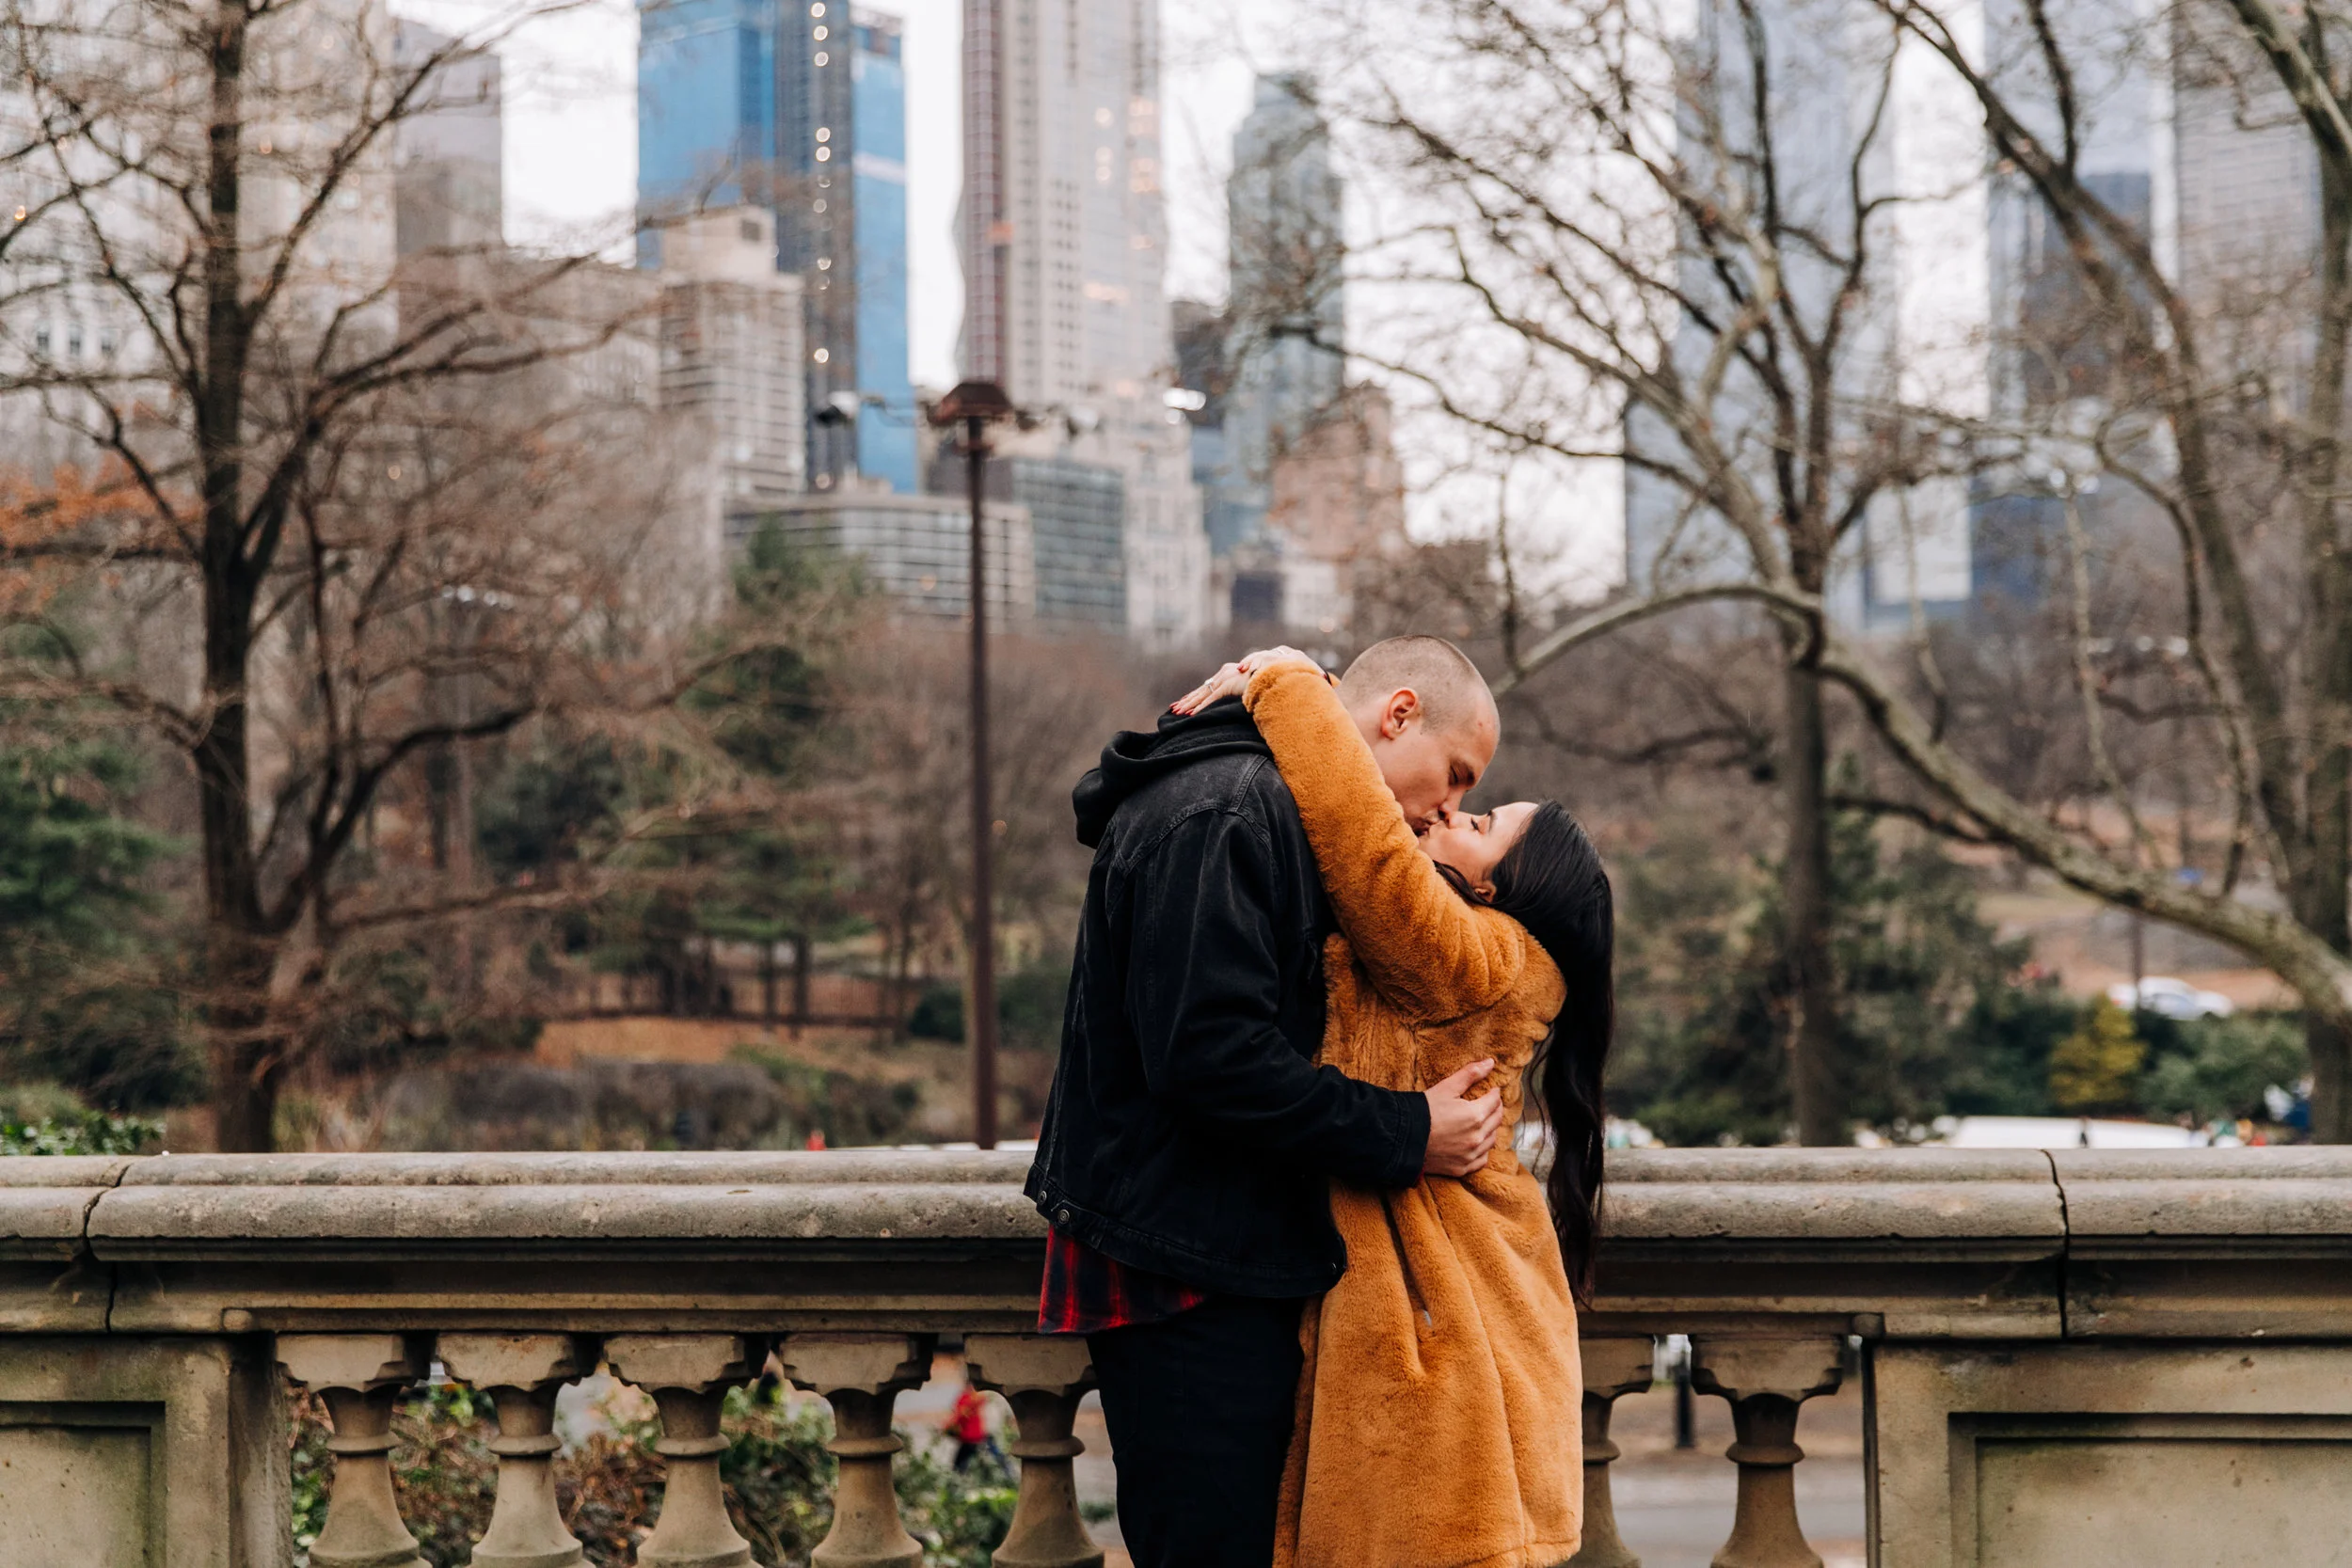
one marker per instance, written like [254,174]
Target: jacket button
[1061,1216]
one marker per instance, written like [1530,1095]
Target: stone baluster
[520,1374]
[359,1376]
[688,1376]
[1766,1380]
[861,1375]
[1613,1368]
[1042,1377]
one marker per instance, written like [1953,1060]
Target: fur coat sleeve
[1425,948]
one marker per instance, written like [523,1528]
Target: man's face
[1428,770]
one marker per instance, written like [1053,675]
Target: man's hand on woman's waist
[1462,1132]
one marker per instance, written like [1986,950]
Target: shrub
[848,1109]
[938,1014]
[959,1516]
[2004,1046]
[2219,1066]
[80,1133]
[1029,1009]
[2094,1068]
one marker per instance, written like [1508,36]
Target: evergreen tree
[753,864]
[83,994]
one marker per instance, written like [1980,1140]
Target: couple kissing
[1331,1314]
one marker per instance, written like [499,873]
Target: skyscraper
[1064,248]
[1287,254]
[448,180]
[1285,333]
[916,548]
[878,118]
[706,108]
[798,107]
[732,345]
[2247,181]
[816,201]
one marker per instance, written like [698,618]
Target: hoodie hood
[1135,757]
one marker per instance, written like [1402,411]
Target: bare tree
[1725,286]
[1684,232]
[1052,706]
[379,513]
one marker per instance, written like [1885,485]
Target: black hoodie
[1189,1131]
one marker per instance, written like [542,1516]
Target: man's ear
[1403,707]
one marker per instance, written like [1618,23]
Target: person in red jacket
[968,1426]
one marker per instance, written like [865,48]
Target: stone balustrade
[2092,1357]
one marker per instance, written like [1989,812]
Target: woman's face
[1474,846]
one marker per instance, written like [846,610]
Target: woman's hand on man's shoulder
[1231,680]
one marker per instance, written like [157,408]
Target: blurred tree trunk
[1812,1079]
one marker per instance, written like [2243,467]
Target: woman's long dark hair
[1552,881]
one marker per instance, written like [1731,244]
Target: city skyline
[571,173]
[571,148]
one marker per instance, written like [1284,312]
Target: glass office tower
[886,431]
[705,109]
[798,107]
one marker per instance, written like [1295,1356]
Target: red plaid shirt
[1085,1292]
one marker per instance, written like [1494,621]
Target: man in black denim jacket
[1189,1137]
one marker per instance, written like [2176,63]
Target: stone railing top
[1818,1166]
[1952,1194]
[63,1170]
[2225,1194]
[45,1200]
[208,1204]
[1990,1244]
[1747,1196]
[1730,1196]
[834,1167]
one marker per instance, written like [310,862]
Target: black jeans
[1200,1408]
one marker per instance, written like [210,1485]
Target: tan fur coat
[1439,1420]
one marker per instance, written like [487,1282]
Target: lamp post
[975,405]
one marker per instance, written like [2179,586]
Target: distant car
[2165,997]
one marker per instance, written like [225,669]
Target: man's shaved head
[1426,712]
[1450,689]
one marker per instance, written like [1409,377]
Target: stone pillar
[1042,1377]
[860,1375]
[520,1372]
[688,1376]
[1766,1380]
[359,1376]
[1613,1368]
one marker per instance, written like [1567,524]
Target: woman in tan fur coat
[1439,1409]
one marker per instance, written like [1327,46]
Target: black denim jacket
[1189,1131]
